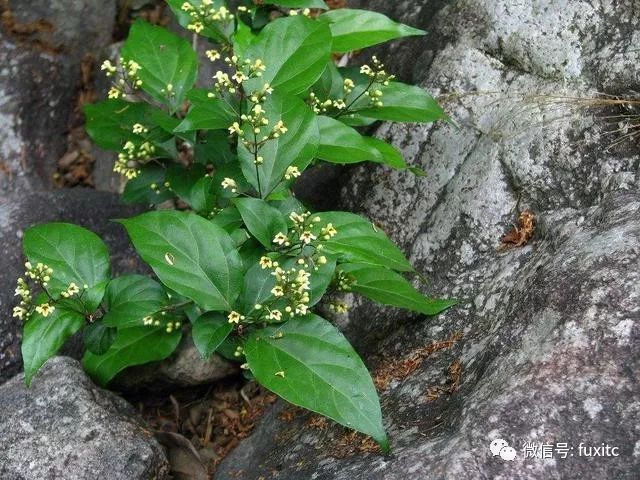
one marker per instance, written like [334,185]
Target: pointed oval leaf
[390,155]
[262,220]
[98,337]
[358,240]
[44,336]
[402,103]
[207,113]
[357,29]
[295,51]
[340,143]
[165,59]
[309,363]
[130,298]
[133,346]
[389,288]
[74,253]
[190,255]
[209,331]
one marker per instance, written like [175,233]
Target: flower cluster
[339,307]
[343,282]
[291,291]
[126,77]
[323,106]
[244,70]
[378,76]
[132,155]
[205,14]
[40,274]
[305,12]
[305,231]
[156,320]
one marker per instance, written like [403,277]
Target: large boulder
[42,47]
[63,426]
[550,329]
[88,208]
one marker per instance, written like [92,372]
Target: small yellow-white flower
[138,128]
[230,183]
[292,172]
[280,238]
[277,291]
[307,237]
[235,129]
[71,290]
[275,315]
[114,93]
[329,231]
[45,309]
[235,317]
[265,262]
[213,55]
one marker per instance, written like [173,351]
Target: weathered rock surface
[185,368]
[549,353]
[66,427]
[87,208]
[42,45]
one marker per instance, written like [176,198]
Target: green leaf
[295,51]
[75,254]
[389,155]
[165,59]
[262,220]
[190,255]
[340,143]
[228,219]
[389,288]
[311,364]
[98,337]
[110,123]
[358,240]
[138,189]
[214,148]
[130,298]
[402,103]
[330,84]
[44,336]
[134,345]
[298,3]
[357,29]
[258,283]
[296,147]
[207,113]
[193,186]
[210,31]
[209,331]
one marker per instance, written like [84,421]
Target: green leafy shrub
[246,263]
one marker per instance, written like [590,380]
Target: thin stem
[255,162]
[346,110]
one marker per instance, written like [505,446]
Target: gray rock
[185,368]
[41,48]
[66,427]
[88,208]
[549,352]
